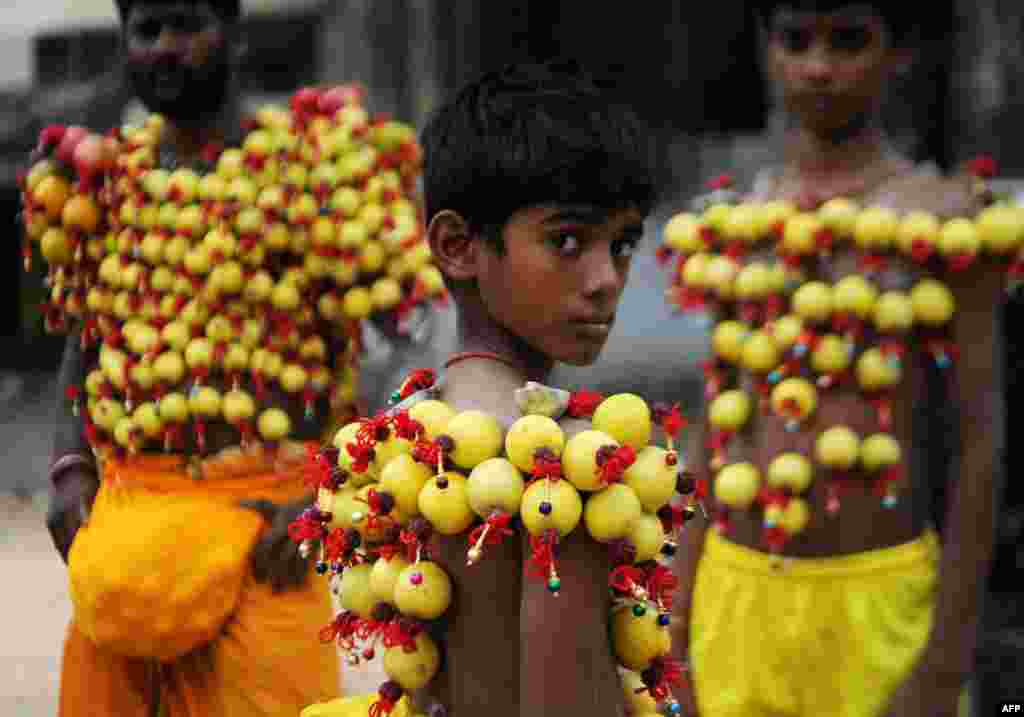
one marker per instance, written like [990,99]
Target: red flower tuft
[983,166]
[406,427]
[542,553]
[626,578]
[722,181]
[583,403]
[616,464]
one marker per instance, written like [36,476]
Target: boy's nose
[602,279]
[817,66]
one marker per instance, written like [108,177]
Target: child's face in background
[558,284]
[832,68]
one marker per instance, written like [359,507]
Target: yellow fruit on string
[413,669]
[918,234]
[354,590]
[794,517]
[148,420]
[794,399]
[477,436]
[647,536]
[372,524]
[801,233]
[551,505]
[81,213]
[169,367]
[876,372]
[638,639]
[1000,229]
[385,293]
[893,313]
[626,418]
[55,246]
[837,447]
[495,485]
[791,471]
[652,478]
[694,271]
[773,215]
[423,590]
[878,451]
[403,478]
[388,449]
[529,434]
[579,458]
[740,225]
[51,193]
[127,434]
[760,353]
[813,302]
[609,513]
[433,415]
[737,484]
[345,510]
[839,216]
[932,303]
[786,330]
[730,410]
[357,303]
[753,282]
[720,275]
[384,577]
[716,216]
[173,408]
[444,502]
[728,338]
[831,354]
[107,413]
[274,424]
[854,295]
[876,228]
[958,240]
[638,698]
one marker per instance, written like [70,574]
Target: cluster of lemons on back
[796,335]
[487,472]
[232,271]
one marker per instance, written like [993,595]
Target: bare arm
[69,436]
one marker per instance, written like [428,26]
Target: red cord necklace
[463,355]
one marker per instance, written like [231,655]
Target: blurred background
[691,69]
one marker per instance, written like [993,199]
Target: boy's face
[177,57]
[831,67]
[558,284]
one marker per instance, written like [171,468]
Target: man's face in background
[178,58]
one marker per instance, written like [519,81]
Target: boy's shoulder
[931,191]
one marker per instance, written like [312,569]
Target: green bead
[554,584]
[639,610]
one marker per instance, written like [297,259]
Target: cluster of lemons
[794,335]
[428,468]
[255,270]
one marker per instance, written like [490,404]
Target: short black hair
[530,134]
[903,18]
[228,10]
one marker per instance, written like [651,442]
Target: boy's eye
[850,39]
[794,39]
[624,248]
[566,244]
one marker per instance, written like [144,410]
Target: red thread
[583,403]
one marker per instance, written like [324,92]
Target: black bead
[442,482]
[321,568]
[545,508]
[668,549]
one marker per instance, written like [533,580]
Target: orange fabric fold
[263,657]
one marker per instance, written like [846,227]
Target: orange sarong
[165,601]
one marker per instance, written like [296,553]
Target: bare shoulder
[944,196]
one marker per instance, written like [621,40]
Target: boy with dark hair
[857,610]
[536,188]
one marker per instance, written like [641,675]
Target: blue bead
[673,708]
[664,620]
[545,508]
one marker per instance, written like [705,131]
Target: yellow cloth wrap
[162,560]
[814,636]
[356,706]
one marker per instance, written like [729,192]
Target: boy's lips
[597,327]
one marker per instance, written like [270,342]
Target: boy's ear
[452,244]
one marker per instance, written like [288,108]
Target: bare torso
[863,523]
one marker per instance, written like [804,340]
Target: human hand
[276,558]
[71,500]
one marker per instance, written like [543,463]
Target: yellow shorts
[810,636]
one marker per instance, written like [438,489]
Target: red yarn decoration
[583,403]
